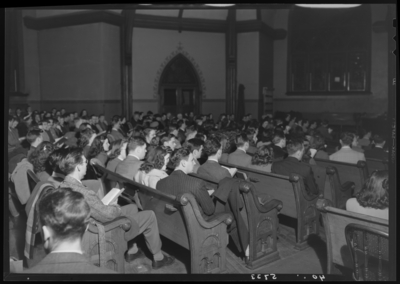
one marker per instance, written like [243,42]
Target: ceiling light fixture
[220,5]
[328,6]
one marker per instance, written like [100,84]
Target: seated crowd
[160,151]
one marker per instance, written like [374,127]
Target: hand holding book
[111,198]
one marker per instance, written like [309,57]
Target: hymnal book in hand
[232,171]
[112,196]
[59,141]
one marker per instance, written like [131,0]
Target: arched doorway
[179,87]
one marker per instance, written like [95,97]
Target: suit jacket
[181,136]
[239,158]
[376,153]
[116,134]
[347,155]
[113,164]
[224,158]
[279,153]
[129,167]
[212,169]
[292,165]
[179,182]
[66,262]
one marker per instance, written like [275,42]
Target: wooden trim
[74,101]
[214,101]
[251,100]
[73,19]
[150,22]
[144,100]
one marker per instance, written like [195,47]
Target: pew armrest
[217,219]
[122,222]
[270,205]
[348,185]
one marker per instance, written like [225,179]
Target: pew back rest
[375,164]
[356,173]
[283,188]
[335,221]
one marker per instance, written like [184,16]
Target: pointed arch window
[329,51]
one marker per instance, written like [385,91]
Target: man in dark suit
[377,152]
[279,145]
[137,151]
[324,130]
[181,135]
[74,165]
[196,145]
[64,216]
[293,164]
[211,168]
[239,157]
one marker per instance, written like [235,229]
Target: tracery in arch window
[329,51]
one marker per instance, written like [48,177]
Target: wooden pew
[336,191]
[179,219]
[291,191]
[375,164]
[356,173]
[262,223]
[335,222]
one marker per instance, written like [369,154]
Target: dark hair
[71,160]
[38,158]
[294,145]
[180,122]
[134,142]
[192,127]
[378,139]
[240,139]
[166,138]
[32,135]
[211,146]
[155,158]
[347,138]
[84,137]
[115,147]
[263,156]
[194,144]
[278,136]
[375,191]
[64,211]
[55,157]
[318,142]
[182,154]
[96,148]
[115,119]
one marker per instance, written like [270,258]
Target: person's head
[71,116]
[12,121]
[163,117]
[191,128]
[74,163]
[18,111]
[118,149]
[375,191]
[196,145]
[34,137]
[313,124]
[168,140]
[181,124]
[55,157]
[29,109]
[116,121]
[179,116]
[306,123]
[346,138]
[50,122]
[76,114]
[60,120]
[137,146]
[325,123]
[106,144]
[213,148]
[62,112]
[64,217]
[38,158]
[149,133]
[263,156]
[45,124]
[295,148]
[265,123]
[317,142]
[183,160]
[83,113]
[242,141]
[85,137]
[101,117]
[279,138]
[157,158]
[28,120]
[379,140]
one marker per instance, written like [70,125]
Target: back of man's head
[55,158]
[211,146]
[72,158]
[346,138]
[241,139]
[65,212]
[194,144]
[278,136]
[32,135]
[134,142]
[378,139]
[182,154]
[294,145]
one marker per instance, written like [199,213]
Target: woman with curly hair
[373,199]
[262,159]
[153,169]
[149,134]
[116,154]
[39,159]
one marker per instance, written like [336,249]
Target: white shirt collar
[64,251]
[75,179]
[54,174]
[242,150]
[211,159]
[119,159]
[115,129]
[345,146]
[376,146]
[134,156]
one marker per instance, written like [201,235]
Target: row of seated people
[183,161]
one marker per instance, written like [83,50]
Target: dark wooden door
[178,99]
